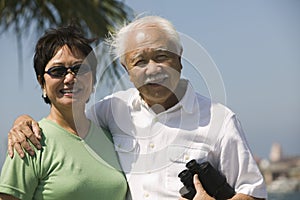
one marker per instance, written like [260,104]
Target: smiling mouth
[69,91]
[154,84]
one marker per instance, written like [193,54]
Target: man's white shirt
[154,148]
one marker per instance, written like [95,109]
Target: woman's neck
[73,121]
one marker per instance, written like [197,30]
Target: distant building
[275,153]
[281,173]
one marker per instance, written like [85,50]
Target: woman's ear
[44,95]
[40,80]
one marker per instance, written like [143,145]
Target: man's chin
[156,97]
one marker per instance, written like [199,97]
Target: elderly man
[163,123]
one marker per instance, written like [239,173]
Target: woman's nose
[70,77]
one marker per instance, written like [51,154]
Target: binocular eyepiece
[213,182]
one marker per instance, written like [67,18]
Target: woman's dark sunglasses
[62,71]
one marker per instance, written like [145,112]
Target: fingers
[13,143]
[32,131]
[34,141]
[181,198]
[19,150]
[17,138]
[36,130]
[10,146]
[19,142]
[197,184]
[23,143]
[200,192]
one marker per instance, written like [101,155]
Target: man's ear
[179,58]
[180,51]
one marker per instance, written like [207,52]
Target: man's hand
[24,128]
[200,192]
[240,196]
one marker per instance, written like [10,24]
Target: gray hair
[117,41]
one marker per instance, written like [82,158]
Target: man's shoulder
[105,111]
[122,94]
[116,100]
[213,105]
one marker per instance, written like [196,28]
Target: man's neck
[171,101]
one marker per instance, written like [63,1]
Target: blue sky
[255,45]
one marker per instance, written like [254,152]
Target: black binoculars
[213,182]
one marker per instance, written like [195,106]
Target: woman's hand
[24,128]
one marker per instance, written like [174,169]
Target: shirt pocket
[185,153]
[124,143]
[178,156]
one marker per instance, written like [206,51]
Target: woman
[76,162]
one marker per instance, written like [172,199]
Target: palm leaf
[95,17]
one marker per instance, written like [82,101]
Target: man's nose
[153,68]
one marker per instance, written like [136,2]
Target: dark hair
[53,39]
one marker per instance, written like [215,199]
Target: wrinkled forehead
[149,38]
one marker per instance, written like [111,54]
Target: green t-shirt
[67,167]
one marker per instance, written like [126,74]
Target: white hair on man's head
[118,40]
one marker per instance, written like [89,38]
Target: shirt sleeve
[18,177]
[237,162]
[98,113]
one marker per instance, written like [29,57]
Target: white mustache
[155,78]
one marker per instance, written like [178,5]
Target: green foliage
[96,17]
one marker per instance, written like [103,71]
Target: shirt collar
[187,101]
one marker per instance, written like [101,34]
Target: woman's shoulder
[53,131]
[47,126]
[96,130]
[45,123]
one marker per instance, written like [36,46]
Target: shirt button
[146,195]
[151,145]
[186,157]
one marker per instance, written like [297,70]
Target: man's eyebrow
[140,53]
[164,50]
[161,49]
[135,56]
